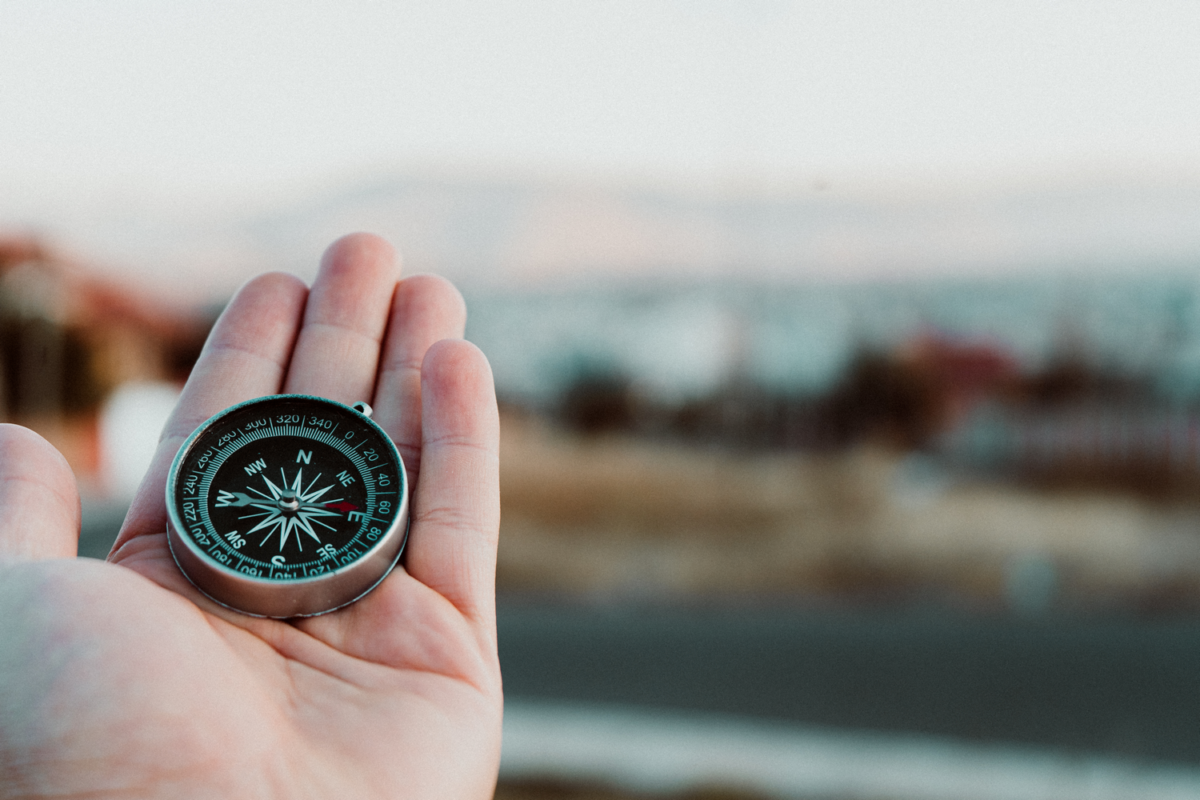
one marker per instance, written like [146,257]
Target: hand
[118,679]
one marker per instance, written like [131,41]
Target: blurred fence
[1154,451]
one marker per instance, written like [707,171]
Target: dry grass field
[621,517]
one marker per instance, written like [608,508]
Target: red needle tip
[343,506]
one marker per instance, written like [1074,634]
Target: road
[1129,688]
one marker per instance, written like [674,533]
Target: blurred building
[69,337]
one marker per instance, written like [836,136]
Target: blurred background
[848,352]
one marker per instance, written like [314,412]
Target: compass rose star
[292,508]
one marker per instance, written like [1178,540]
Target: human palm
[119,679]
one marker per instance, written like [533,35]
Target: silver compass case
[242,460]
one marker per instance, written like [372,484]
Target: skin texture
[118,679]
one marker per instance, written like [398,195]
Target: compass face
[285,491]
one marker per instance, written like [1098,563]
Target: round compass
[287,506]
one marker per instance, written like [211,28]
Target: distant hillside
[534,229]
[482,229]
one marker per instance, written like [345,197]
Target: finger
[455,519]
[246,356]
[39,503]
[337,350]
[425,309]
[456,507]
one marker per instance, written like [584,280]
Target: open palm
[119,679]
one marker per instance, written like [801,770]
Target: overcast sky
[250,100]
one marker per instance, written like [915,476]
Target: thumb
[39,502]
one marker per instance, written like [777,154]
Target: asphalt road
[1129,688]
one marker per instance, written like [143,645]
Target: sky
[243,105]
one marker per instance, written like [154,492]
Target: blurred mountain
[535,229]
[483,229]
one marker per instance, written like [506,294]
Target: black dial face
[287,488]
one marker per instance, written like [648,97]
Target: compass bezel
[293,597]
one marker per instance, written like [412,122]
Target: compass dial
[287,505]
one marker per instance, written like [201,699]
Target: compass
[287,506]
